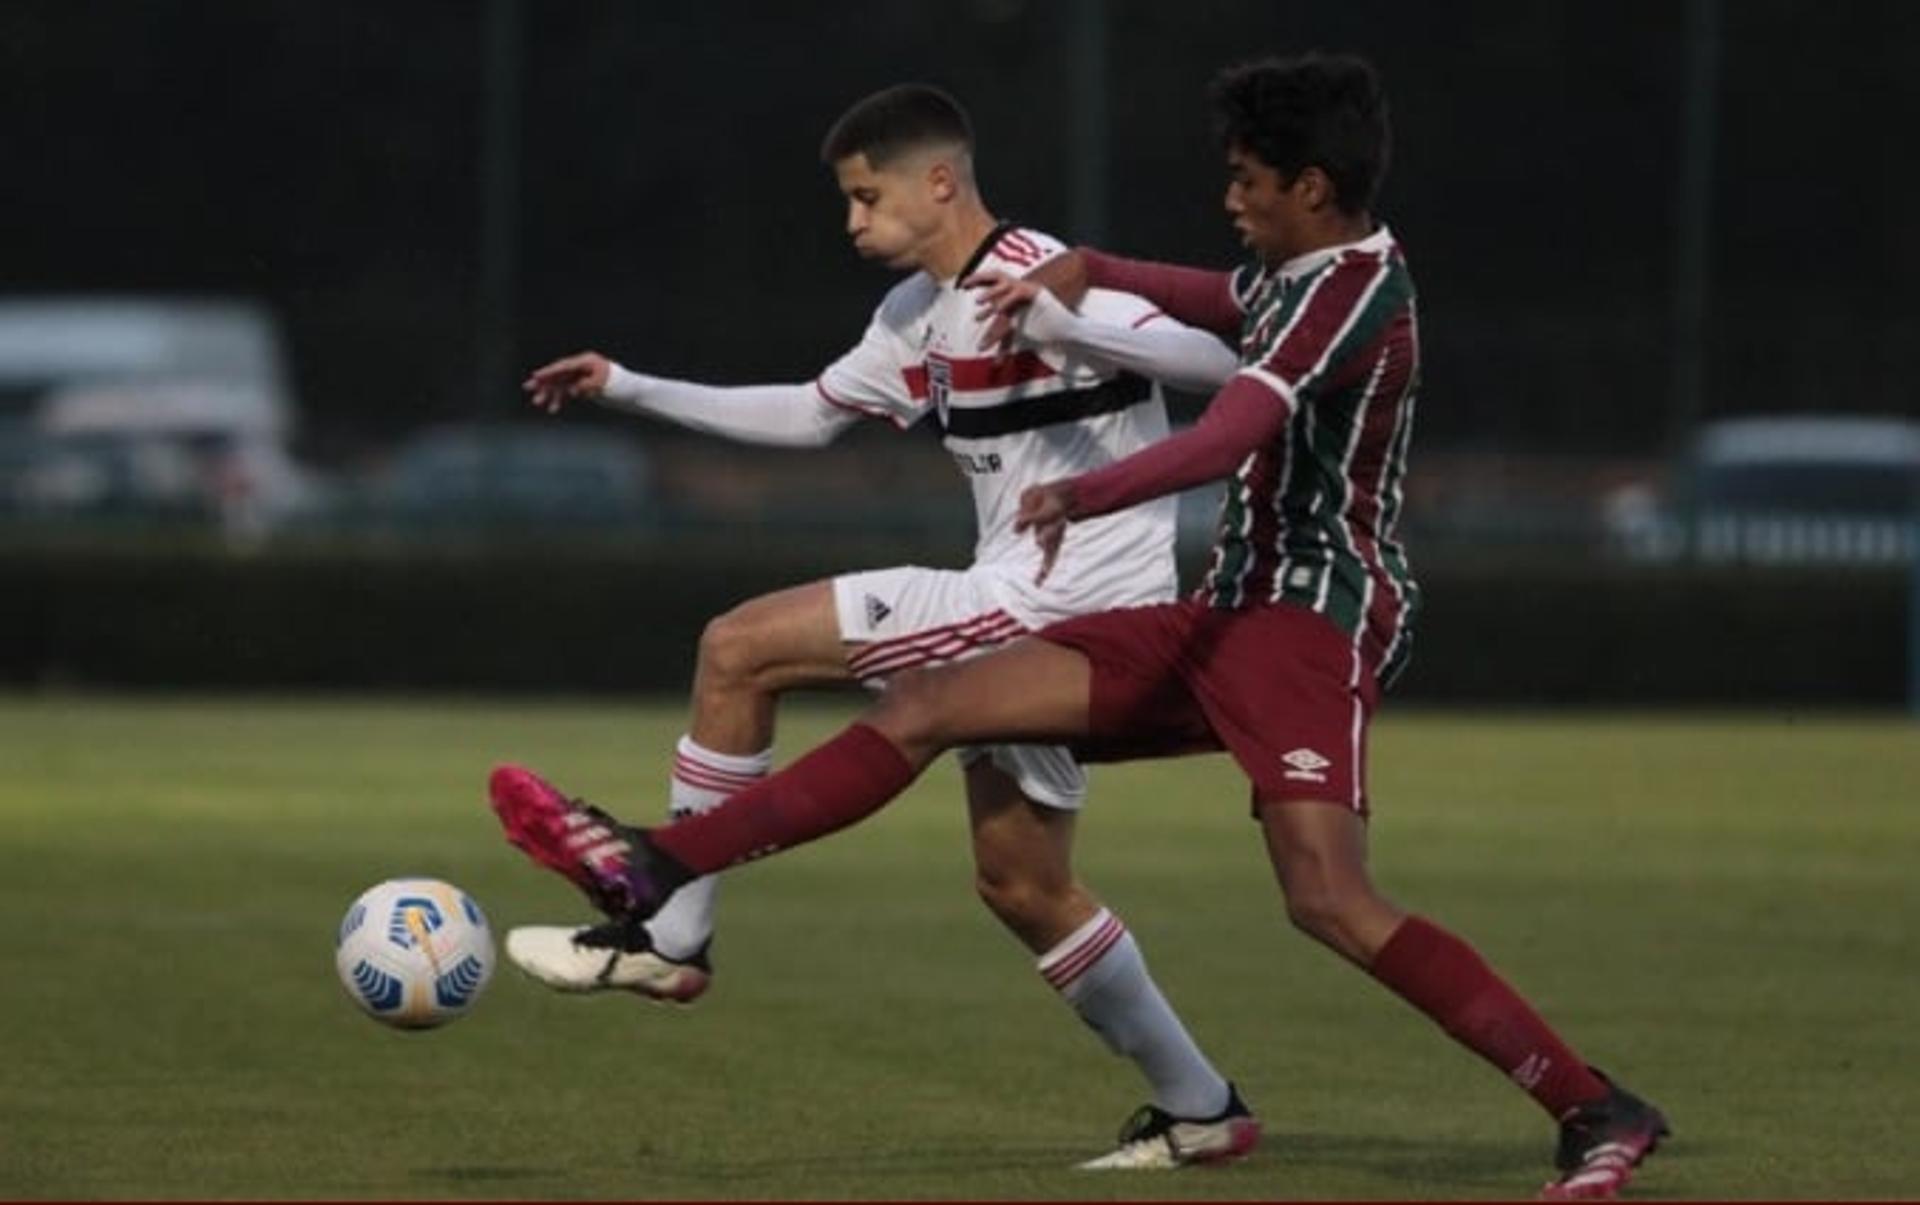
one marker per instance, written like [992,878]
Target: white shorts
[909,617]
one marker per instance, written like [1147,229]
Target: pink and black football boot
[1602,1143]
[618,868]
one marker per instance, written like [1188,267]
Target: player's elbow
[1213,365]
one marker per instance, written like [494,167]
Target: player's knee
[727,651]
[1320,909]
[1336,915]
[1313,913]
[912,712]
[1005,896]
[1024,903]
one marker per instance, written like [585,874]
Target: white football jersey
[1013,422]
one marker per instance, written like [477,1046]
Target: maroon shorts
[1279,687]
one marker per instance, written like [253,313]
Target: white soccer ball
[414,953]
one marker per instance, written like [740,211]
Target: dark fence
[612,619]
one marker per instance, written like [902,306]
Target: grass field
[1724,911]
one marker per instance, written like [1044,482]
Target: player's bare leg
[843,780]
[1022,860]
[747,658]
[1029,690]
[1319,853]
[750,655]
[1025,691]
[1024,872]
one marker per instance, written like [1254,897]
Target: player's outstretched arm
[784,415]
[1161,348]
[1201,297]
[1243,417]
[1247,414]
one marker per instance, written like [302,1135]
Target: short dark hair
[1315,110]
[895,120]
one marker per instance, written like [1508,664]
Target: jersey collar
[980,253]
[1301,265]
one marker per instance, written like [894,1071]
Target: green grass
[1724,911]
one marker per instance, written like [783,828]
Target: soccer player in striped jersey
[1278,659]
[903,160]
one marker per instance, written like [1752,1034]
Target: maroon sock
[845,780]
[1441,976]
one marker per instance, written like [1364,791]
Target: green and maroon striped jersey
[1309,519]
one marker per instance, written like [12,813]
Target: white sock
[1099,971]
[702,779]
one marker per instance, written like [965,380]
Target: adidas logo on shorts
[877,611]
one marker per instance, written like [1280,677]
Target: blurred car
[205,447]
[47,476]
[1787,490]
[512,475]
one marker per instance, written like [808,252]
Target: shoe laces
[1147,1123]
[591,809]
[627,934]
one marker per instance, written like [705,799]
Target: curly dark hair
[895,120]
[1314,110]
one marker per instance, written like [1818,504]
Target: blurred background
[274,271]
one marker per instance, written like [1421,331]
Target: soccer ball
[414,953]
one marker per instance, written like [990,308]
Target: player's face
[1268,210]
[892,212]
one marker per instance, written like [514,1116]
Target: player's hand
[1002,299]
[1065,276]
[552,386]
[1044,510]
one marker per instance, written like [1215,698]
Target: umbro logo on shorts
[1307,766]
[877,611]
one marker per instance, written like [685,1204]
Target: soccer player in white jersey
[903,158]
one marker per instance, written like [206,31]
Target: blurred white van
[49,343]
[167,405]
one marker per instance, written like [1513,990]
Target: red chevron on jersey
[1019,249]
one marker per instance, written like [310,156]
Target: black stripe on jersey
[985,249]
[1031,413]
